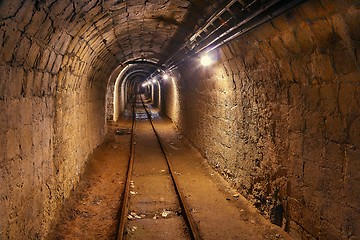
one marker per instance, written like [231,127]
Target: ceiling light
[206,60]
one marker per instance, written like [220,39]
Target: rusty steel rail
[125,199]
[185,210]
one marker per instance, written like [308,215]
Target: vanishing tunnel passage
[254,99]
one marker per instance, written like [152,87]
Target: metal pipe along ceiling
[234,19]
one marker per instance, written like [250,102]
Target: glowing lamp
[206,60]
[165,76]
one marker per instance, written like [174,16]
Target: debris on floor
[123,131]
[165,213]
[134,215]
[173,146]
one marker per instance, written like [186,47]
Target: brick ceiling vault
[98,34]
[88,39]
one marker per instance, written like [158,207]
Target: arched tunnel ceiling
[93,37]
[140,69]
[150,29]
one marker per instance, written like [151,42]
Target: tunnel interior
[277,112]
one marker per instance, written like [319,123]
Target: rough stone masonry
[278,114]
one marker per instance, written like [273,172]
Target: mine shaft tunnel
[276,112]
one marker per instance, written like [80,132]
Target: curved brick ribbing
[279,116]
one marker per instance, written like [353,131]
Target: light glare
[206,60]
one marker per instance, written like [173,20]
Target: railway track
[141,118]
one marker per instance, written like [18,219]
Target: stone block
[313,10]
[296,97]
[329,230]
[296,120]
[9,8]
[336,128]
[24,15]
[322,68]
[46,30]
[36,21]
[312,98]
[290,42]
[295,230]
[314,150]
[50,63]
[5,73]
[328,94]
[227,52]
[12,36]
[352,20]
[311,222]
[314,125]
[352,162]
[267,51]
[36,85]
[344,61]
[300,68]
[341,37]
[44,59]
[281,24]
[313,177]
[324,34]
[354,132]
[22,50]
[351,228]
[32,54]
[12,144]
[328,5]
[278,47]
[286,70]
[295,208]
[65,39]
[28,82]
[352,191]
[26,111]
[346,98]
[305,37]
[15,82]
[11,111]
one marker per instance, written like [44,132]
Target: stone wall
[170,96]
[278,115]
[52,114]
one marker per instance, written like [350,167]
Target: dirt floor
[92,211]
[218,210]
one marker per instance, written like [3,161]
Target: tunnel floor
[219,212]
